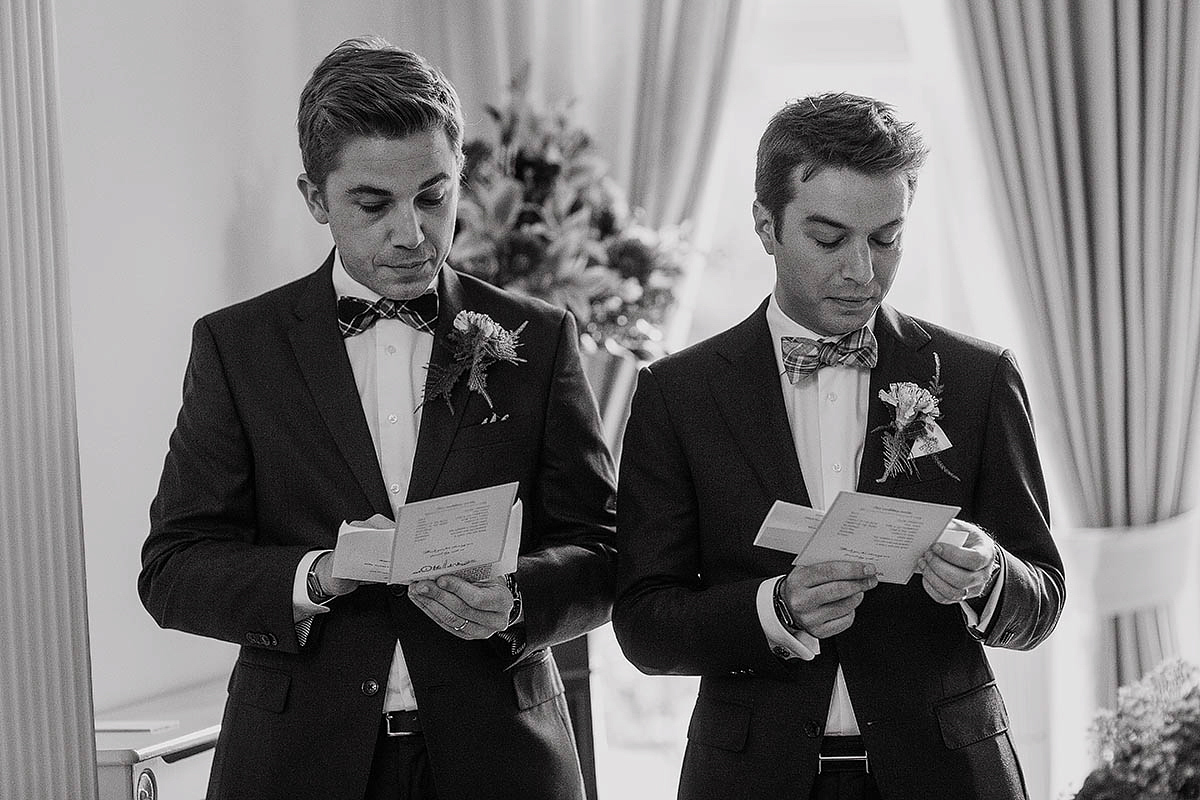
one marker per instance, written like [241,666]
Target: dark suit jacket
[707,450]
[272,452]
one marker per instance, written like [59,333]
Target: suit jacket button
[813,729]
[370,688]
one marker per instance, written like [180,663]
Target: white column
[47,745]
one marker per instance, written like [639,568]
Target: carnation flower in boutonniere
[476,342]
[913,431]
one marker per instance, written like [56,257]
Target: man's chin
[402,286]
[847,320]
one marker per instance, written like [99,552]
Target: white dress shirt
[389,360]
[827,412]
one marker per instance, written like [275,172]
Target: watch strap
[782,612]
[316,592]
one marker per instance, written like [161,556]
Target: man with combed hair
[819,681]
[302,408]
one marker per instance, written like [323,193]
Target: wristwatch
[514,614]
[781,607]
[316,592]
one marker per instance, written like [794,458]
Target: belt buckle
[822,760]
[398,717]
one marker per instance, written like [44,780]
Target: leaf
[507,201]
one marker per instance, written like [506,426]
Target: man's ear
[314,198]
[764,226]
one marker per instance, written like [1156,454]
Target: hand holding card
[475,535]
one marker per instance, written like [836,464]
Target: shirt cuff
[302,607]
[981,621]
[784,643]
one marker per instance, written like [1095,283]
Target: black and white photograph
[600,400]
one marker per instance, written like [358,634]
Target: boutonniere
[913,431]
[476,342]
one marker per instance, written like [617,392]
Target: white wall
[179,163]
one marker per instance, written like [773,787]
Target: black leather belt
[401,723]
[843,754]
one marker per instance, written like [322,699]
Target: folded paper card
[474,534]
[889,532]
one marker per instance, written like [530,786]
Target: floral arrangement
[539,215]
[476,342]
[1149,746]
[913,431]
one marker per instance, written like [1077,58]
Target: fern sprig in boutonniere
[476,342]
[913,430]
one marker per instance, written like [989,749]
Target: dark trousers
[400,769]
[845,786]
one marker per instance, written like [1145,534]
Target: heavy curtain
[47,748]
[1092,114]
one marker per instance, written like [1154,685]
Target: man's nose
[859,265]
[405,230]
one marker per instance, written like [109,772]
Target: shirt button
[391,350]
[392,418]
[837,467]
[831,397]
[781,651]
[370,688]
[395,488]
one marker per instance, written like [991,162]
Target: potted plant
[1149,745]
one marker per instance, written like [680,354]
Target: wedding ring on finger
[460,627]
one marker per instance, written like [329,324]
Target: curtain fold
[48,746]
[1094,121]
[648,77]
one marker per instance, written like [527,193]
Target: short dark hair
[837,130]
[368,87]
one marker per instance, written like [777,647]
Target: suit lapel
[900,342]
[749,398]
[438,423]
[321,355]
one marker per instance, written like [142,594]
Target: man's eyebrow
[821,220]
[364,188]
[833,223]
[434,181]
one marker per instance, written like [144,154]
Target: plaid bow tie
[804,356]
[355,315]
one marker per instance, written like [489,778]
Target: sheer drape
[1093,113]
[47,747]
[648,76]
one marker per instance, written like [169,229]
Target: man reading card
[338,397]
[818,680]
